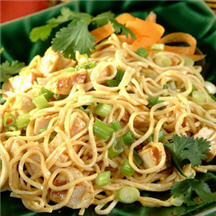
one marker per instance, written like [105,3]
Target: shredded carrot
[151,17]
[197,57]
[144,42]
[102,32]
[180,37]
[124,18]
[142,28]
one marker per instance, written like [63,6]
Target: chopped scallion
[116,125]
[199,97]
[126,169]
[163,61]
[103,110]
[137,158]
[119,75]
[103,178]
[112,83]
[87,99]
[128,138]
[127,195]
[165,86]
[41,102]
[193,89]
[9,121]
[22,121]
[189,62]
[41,130]
[153,101]
[116,148]
[102,130]
[142,52]
[157,47]
[47,94]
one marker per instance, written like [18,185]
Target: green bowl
[191,16]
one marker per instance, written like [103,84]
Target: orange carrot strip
[124,18]
[151,17]
[180,37]
[142,28]
[197,57]
[102,32]
[144,42]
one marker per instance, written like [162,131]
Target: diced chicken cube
[76,126]
[63,83]
[41,123]
[209,134]
[150,156]
[82,196]
[54,61]
[23,104]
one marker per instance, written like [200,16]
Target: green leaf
[41,32]
[102,18]
[195,191]
[188,150]
[1,50]
[8,69]
[119,28]
[74,37]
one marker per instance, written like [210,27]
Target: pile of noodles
[36,168]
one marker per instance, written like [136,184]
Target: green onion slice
[199,97]
[102,130]
[142,52]
[137,158]
[128,138]
[126,169]
[103,178]
[157,47]
[116,148]
[22,121]
[9,121]
[163,61]
[47,94]
[116,125]
[103,110]
[153,101]
[41,102]
[127,195]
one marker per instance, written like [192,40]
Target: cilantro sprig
[8,69]
[195,191]
[74,34]
[185,150]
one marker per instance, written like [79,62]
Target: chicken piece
[62,84]
[41,123]
[23,104]
[150,156]
[76,126]
[20,83]
[54,61]
[209,134]
[82,196]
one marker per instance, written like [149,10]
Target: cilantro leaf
[74,37]
[119,28]
[43,32]
[102,18]
[188,150]
[8,69]
[195,190]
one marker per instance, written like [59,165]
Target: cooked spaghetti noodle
[54,161]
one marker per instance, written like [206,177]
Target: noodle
[61,163]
